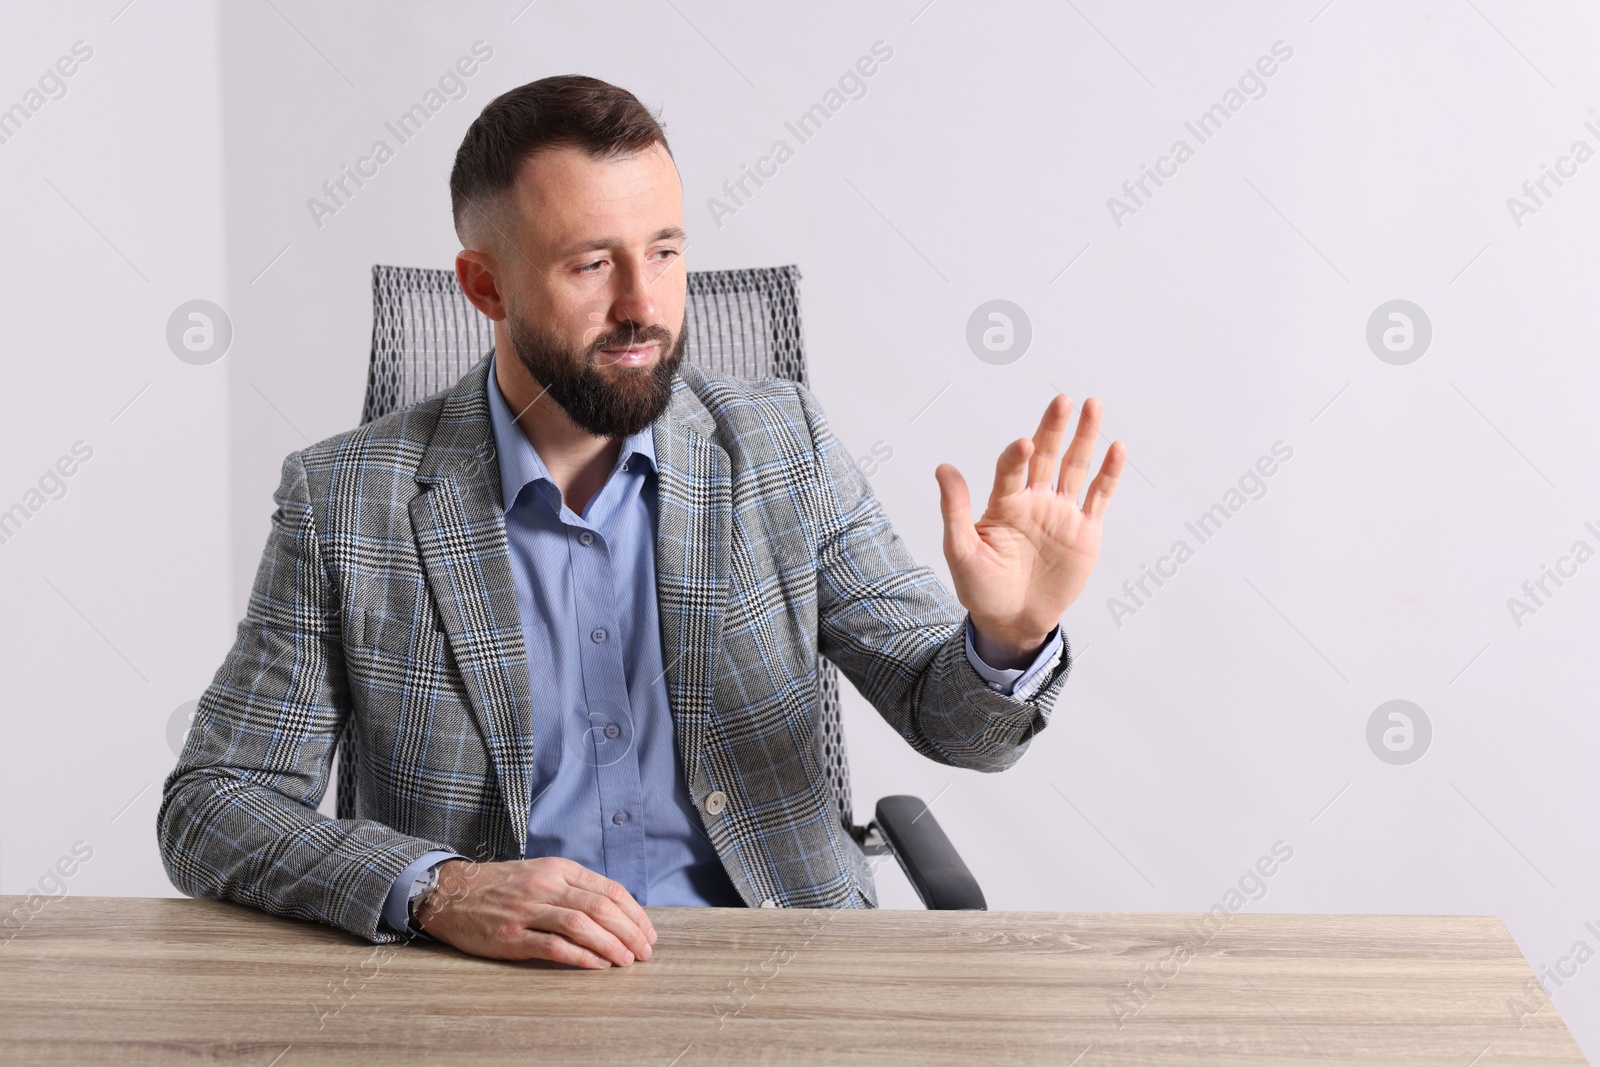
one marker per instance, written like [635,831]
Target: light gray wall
[1227,313]
[118,596]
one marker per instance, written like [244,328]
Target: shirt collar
[519,460]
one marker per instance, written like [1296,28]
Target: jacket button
[769,903]
[716,800]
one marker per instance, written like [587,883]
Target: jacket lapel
[459,523]
[694,528]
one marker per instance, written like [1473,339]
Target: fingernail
[645,954]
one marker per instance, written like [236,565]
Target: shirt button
[599,635]
[716,801]
[769,903]
[586,538]
[620,817]
[613,730]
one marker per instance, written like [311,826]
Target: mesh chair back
[426,335]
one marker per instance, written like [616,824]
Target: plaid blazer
[385,593]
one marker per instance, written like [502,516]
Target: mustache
[631,335]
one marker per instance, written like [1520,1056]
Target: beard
[605,407]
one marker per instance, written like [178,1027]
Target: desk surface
[111,980]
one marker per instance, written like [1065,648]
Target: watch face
[418,891]
[425,883]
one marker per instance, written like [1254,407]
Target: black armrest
[927,856]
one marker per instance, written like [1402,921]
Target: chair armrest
[930,861]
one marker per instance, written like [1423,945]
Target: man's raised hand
[1019,567]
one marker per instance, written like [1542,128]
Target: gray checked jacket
[385,593]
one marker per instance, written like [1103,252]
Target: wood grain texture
[112,980]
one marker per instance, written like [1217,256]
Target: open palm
[1023,563]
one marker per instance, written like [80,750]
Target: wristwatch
[425,884]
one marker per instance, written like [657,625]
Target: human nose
[634,300]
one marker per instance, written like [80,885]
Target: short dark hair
[565,110]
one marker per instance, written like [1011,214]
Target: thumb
[956,506]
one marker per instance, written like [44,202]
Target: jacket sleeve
[900,636]
[238,818]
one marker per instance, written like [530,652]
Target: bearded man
[573,603]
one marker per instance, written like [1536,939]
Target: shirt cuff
[1017,682]
[397,906]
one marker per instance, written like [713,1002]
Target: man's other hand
[544,909]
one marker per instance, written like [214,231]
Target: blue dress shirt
[607,791]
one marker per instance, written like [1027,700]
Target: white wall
[119,598]
[1228,313]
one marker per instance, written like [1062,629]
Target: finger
[1047,441]
[609,914]
[1082,448]
[1011,470]
[1105,483]
[577,927]
[540,945]
[956,506]
[584,878]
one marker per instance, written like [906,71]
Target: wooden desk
[106,980]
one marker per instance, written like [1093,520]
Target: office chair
[426,334]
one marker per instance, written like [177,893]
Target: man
[573,604]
